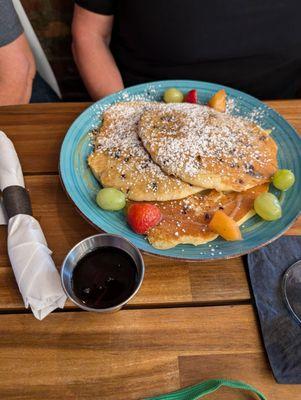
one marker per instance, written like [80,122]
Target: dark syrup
[104,277]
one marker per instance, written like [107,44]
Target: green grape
[267,206]
[173,95]
[283,179]
[110,199]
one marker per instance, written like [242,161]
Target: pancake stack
[188,159]
[121,161]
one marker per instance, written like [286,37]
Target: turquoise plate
[82,187]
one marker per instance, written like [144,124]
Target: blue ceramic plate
[82,187]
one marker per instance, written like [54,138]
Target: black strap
[16,201]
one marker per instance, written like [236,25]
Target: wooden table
[190,321]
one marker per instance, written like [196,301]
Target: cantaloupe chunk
[225,226]
[218,101]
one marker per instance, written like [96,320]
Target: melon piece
[218,101]
[225,226]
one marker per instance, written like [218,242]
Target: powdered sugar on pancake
[188,140]
[120,159]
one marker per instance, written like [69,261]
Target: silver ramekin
[86,246]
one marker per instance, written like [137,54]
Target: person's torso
[209,40]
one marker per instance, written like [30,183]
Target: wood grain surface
[37,131]
[132,354]
[189,322]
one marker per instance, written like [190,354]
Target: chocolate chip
[144,165]
[184,209]
[263,138]
[199,159]
[166,118]
[117,154]
[249,167]
[240,181]
[154,186]
[250,170]
[255,174]
[207,217]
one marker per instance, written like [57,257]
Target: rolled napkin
[30,257]
[3,216]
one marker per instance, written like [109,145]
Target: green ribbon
[202,389]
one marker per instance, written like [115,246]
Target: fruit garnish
[225,226]
[218,101]
[173,95]
[267,206]
[191,97]
[110,199]
[143,216]
[283,179]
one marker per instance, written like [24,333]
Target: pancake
[207,148]
[121,161]
[186,221]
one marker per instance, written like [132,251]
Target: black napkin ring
[16,201]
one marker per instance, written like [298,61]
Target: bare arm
[17,70]
[91,34]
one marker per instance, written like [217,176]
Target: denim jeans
[42,92]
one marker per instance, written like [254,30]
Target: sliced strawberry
[143,216]
[191,97]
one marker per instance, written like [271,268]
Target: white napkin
[3,216]
[34,269]
[10,170]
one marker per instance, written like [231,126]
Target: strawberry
[143,216]
[191,97]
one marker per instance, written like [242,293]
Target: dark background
[51,20]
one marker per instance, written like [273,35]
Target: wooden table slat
[131,354]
